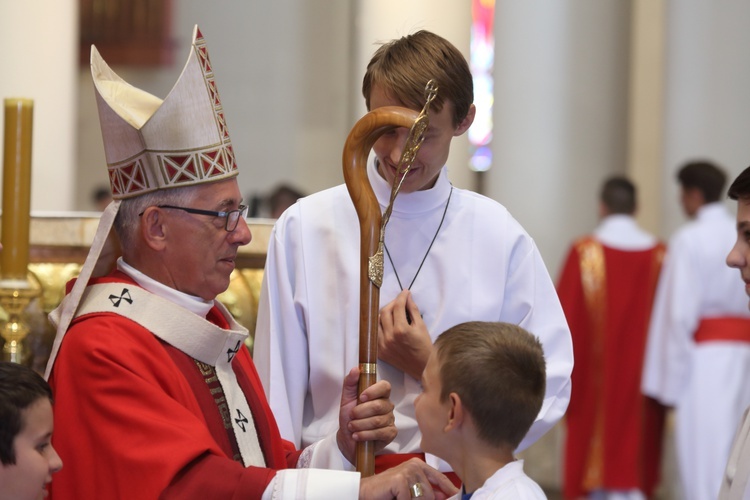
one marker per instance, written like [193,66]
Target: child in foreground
[27,458]
[483,386]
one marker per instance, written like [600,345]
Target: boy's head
[27,458]
[496,371]
[740,188]
[618,196]
[701,182]
[396,76]
[739,256]
[403,67]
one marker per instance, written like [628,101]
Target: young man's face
[431,413]
[434,151]
[739,256]
[36,459]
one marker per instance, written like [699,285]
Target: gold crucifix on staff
[372,227]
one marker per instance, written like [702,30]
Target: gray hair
[128,217]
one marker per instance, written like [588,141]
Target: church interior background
[574,91]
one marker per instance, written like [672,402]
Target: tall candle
[14,259]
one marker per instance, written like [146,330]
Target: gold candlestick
[16,291]
[14,260]
[15,300]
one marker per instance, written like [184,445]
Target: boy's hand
[403,339]
[397,483]
[371,420]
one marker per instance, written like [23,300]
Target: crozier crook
[372,229]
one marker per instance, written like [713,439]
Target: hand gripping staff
[372,228]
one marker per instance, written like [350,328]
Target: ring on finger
[416,490]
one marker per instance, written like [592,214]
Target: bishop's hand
[371,419]
[399,482]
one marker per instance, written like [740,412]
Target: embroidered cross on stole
[197,337]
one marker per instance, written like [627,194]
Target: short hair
[403,67]
[619,195]
[127,220]
[705,176]
[498,371]
[740,188]
[20,387]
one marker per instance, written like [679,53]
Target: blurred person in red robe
[606,289]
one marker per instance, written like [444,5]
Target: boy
[737,471]
[451,256]
[27,457]
[481,390]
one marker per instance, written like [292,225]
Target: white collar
[189,302]
[409,204]
[710,210]
[620,231]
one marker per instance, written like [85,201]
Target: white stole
[195,336]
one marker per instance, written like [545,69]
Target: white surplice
[482,266]
[508,483]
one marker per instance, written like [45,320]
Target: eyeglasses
[231,218]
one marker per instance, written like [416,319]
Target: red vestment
[614,433]
[134,418]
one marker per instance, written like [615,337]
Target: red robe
[614,433]
[152,428]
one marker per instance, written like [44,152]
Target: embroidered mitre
[152,144]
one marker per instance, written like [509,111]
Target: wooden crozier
[356,151]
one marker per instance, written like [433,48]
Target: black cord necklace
[428,248]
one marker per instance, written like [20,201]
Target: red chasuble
[614,433]
[137,418]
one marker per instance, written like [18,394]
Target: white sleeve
[309,484]
[282,370]
[532,303]
[674,319]
[737,471]
[322,472]
[324,454]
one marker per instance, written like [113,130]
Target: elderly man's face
[739,256]
[200,252]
